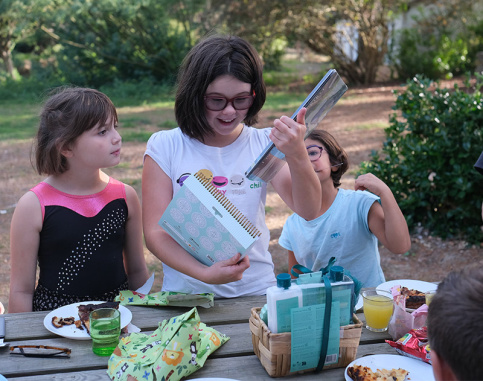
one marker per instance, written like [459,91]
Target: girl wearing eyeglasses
[349,223]
[220,92]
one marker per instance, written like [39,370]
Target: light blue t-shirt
[341,232]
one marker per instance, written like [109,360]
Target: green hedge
[432,143]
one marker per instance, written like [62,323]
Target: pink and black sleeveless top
[81,245]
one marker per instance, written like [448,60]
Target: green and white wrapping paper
[179,347]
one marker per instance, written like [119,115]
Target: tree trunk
[8,63]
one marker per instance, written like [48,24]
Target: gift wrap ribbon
[179,347]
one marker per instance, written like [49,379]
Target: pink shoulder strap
[87,206]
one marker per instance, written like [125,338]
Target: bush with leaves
[441,40]
[427,159]
[435,56]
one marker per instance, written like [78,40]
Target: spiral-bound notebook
[205,223]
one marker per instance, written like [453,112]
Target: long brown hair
[210,58]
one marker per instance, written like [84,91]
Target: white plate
[71,331]
[409,283]
[418,370]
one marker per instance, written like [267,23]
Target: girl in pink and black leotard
[82,226]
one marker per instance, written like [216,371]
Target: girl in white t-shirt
[349,222]
[220,92]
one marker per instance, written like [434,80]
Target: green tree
[103,40]
[262,23]
[442,42]
[14,25]
[353,33]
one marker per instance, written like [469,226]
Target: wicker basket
[273,349]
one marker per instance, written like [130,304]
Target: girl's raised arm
[24,245]
[297,184]
[386,220]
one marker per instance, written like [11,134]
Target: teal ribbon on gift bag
[328,301]
[325,270]
[304,270]
[325,329]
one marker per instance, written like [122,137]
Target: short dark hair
[67,113]
[212,57]
[454,322]
[337,154]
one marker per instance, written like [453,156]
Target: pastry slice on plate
[86,309]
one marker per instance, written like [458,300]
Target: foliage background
[131,50]
[100,42]
[428,156]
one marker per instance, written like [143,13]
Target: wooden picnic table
[235,359]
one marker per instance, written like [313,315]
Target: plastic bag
[179,347]
[414,344]
[403,321]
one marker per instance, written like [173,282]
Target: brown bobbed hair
[337,154]
[67,114]
[212,57]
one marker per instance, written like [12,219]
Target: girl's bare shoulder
[28,200]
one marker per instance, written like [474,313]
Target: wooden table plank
[27,326]
[244,368]
[89,375]
[240,344]
[250,368]
[19,326]
[82,358]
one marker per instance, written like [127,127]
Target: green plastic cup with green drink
[105,330]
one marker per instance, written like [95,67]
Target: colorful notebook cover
[205,223]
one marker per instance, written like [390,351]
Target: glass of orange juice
[378,307]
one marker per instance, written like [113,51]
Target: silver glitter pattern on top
[89,246]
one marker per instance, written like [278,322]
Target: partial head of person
[67,114]
[454,326]
[338,158]
[212,57]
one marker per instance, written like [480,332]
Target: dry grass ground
[358,123]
